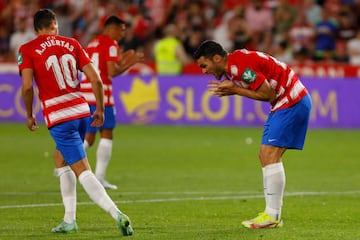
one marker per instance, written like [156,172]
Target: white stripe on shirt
[69,112]
[61,99]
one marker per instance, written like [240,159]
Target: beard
[218,74]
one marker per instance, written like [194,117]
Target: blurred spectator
[25,9]
[346,29]
[341,55]
[285,15]
[325,39]
[4,45]
[260,22]
[353,49]
[65,19]
[158,10]
[130,40]
[221,33]
[312,12]
[142,28]
[193,40]
[283,52]
[302,56]
[333,7]
[143,24]
[6,7]
[170,55]
[355,8]
[72,17]
[301,33]
[239,31]
[262,25]
[111,8]
[19,37]
[195,14]
[328,56]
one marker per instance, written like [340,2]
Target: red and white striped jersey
[249,69]
[101,50]
[55,61]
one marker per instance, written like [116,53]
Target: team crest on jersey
[234,70]
[19,58]
[248,75]
[113,51]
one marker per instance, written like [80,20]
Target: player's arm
[227,87]
[27,92]
[98,90]
[128,59]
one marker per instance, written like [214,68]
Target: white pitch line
[178,199]
[135,193]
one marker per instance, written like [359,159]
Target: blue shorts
[287,127]
[69,138]
[109,122]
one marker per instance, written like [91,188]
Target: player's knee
[62,170]
[90,138]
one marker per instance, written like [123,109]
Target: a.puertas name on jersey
[54,42]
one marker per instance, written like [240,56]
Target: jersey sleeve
[24,60]
[260,78]
[244,67]
[82,56]
[113,53]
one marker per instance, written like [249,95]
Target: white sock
[68,192]
[264,184]
[97,193]
[103,155]
[274,186]
[86,145]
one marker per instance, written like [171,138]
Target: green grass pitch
[178,182]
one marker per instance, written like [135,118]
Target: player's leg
[69,138]
[103,156]
[89,140]
[274,185]
[273,179]
[68,194]
[284,129]
[104,149]
[97,193]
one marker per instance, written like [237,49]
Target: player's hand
[31,123]
[98,119]
[223,88]
[130,57]
[212,86]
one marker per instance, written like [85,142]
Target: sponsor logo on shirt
[248,75]
[19,58]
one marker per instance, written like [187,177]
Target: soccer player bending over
[259,76]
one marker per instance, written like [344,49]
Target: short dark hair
[43,18]
[209,49]
[114,20]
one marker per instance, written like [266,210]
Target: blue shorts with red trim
[287,127]
[109,122]
[69,138]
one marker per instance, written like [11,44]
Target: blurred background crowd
[295,31]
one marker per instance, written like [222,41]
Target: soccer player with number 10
[54,61]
